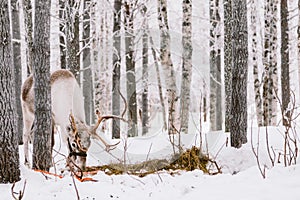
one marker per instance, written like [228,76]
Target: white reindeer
[66,97]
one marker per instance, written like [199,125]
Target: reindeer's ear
[72,123]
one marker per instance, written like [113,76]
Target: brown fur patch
[60,74]
[26,87]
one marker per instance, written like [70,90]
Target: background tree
[15,8]
[62,35]
[284,50]
[167,64]
[87,81]
[145,74]
[254,50]
[270,80]
[9,153]
[187,53]
[129,7]
[227,59]
[116,67]
[238,122]
[215,67]
[42,148]
[72,37]
[28,23]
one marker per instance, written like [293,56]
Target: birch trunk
[28,23]
[167,65]
[257,81]
[187,53]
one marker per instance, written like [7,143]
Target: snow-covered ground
[240,180]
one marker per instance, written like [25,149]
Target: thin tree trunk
[42,142]
[130,70]
[238,122]
[17,64]
[62,37]
[28,23]
[215,68]
[187,54]
[9,153]
[227,60]
[72,37]
[254,48]
[285,72]
[87,72]
[160,92]
[116,67]
[145,75]
[167,65]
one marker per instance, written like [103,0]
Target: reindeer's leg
[26,138]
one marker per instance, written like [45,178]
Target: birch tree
[215,67]
[116,67]
[187,53]
[270,80]
[254,59]
[227,59]
[285,72]
[238,122]
[42,142]
[167,64]
[9,153]
[15,12]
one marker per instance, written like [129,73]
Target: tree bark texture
[42,148]
[167,65]
[28,22]
[238,122]
[270,80]
[72,37]
[17,64]
[9,152]
[285,72]
[254,49]
[227,60]
[187,53]
[116,67]
[215,68]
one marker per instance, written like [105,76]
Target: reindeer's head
[79,141]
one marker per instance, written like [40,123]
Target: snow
[240,179]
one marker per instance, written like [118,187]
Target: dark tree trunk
[130,70]
[116,68]
[17,64]
[227,60]
[87,81]
[215,68]
[72,37]
[9,152]
[145,75]
[27,8]
[238,122]
[42,148]
[285,72]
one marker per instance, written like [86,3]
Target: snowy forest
[152,99]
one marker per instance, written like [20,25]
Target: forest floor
[240,179]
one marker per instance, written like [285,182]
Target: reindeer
[68,113]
